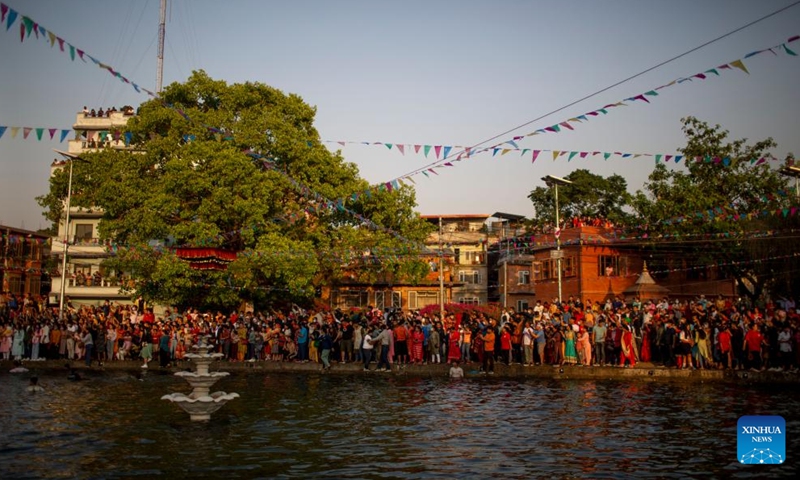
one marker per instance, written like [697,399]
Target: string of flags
[38,132]
[444,150]
[570,123]
[28,26]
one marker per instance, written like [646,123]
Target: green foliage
[589,195]
[186,185]
[729,193]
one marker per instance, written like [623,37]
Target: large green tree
[725,211]
[185,184]
[589,195]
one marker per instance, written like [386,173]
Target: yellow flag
[740,65]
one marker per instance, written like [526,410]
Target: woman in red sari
[417,339]
[647,333]
[453,350]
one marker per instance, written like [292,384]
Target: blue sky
[417,72]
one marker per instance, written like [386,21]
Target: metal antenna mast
[161,32]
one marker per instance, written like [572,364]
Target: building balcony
[77,287]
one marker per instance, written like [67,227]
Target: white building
[87,282]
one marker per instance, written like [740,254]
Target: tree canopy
[184,184]
[723,214]
[589,195]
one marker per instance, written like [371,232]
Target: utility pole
[441,273]
[160,58]
[505,266]
[554,182]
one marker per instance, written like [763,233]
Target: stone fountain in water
[200,404]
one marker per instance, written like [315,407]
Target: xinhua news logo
[761,440]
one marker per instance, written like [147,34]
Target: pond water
[383,426]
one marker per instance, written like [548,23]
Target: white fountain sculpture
[200,404]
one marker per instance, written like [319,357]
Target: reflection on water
[111,425]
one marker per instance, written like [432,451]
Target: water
[380,426]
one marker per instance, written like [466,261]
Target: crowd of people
[696,334]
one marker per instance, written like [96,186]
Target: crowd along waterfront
[112,424]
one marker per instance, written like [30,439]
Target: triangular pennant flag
[427,149]
[388,145]
[446,151]
[64,134]
[433,171]
[505,150]
[726,161]
[12,17]
[513,143]
[494,151]
[28,23]
[26,131]
[667,157]
[789,51]
[437,150]
[80,55]
[401,147]
[3,129]
[416,148]
[52,37]
[740,65]
[701,76]
[555,154]
[583,154]
[52,132]
[39,133]
[71,53]
[712,70]
[3,11]
[553,128]
[641,97]
[524,151]
[571,154]
[651,93]
[535,154]
[678,158]
[566,125]
[60,43]
[658,158]
[606,155]
[448,164]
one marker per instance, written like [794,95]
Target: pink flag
[401,147]
[52,132]
[416,148]
[535,154]
[437,149]
[26,131]
[566,125]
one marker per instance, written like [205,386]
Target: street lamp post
[554,182]
[72,158]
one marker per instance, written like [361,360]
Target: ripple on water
[387,427]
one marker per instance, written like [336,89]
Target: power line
[598,92]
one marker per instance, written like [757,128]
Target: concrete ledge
[642,372]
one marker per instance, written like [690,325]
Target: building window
[523,277]
[14,283]
[34,285]
[84,231]
[388,299]
[469,300]
[548,269]
[471,258]
[522,305]
[612,266]
[350,298]
[471,277]
[418,299]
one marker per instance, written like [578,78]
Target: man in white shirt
[367,348]
[456,371]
